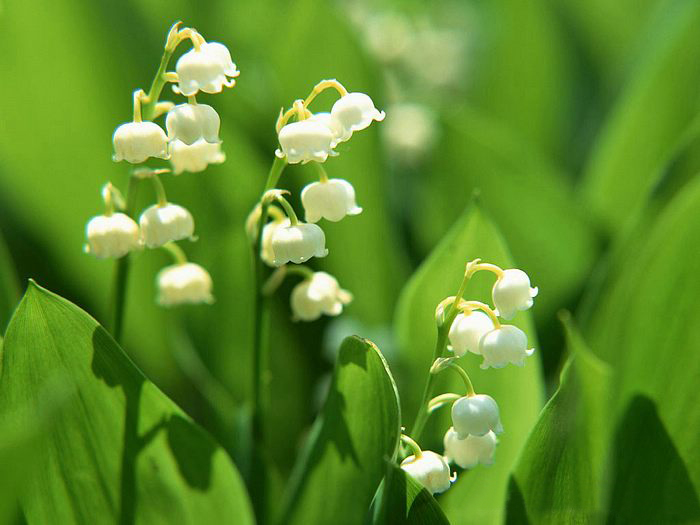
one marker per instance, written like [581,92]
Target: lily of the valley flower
[266,253]
[184,283]
[319,294]
[194,158]
[467,330]
[112,235]
[192,122]
[305,141]
[475,415]
[297,243]
[354,112]
[336,128]
[470,451]
[163,224]
[512,292]
[504,345]
[331,199]
[430,469]
[135,142]
[205,69]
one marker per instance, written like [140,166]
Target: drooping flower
[163,224]
[305,141]
[319,294]
[135,142]
[192,122]
[332,200]
[512,292]
[470,451]
[467,330]
[430,469]
[297,243]
[266,253]
[327,120]
[504,345]
[354,112]
[184,283]
[205,69]
[112,235]
[475,415]
[194,158]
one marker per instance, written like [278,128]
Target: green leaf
[477,496]
[9,286]
[122,450]
[560,477]
[342,464]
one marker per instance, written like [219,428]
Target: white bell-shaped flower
[512,292]
[266,253]
[355,111]
[320,294]
[192,122]
[206,69]
[332,200]
[504,345]
[467,330]
[429,469]
[162,224]
[112,235]
[327,120]
[305,141]
[184,283]
[297,243]
[476,415]
[135,142]
[194,158]
[470,451]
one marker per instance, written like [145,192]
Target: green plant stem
[148,109]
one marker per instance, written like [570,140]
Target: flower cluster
[191,143]
[472,326]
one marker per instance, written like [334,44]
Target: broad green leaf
[658,103]
[341,466]
[9,286]
[644,325]
[477,496]
[559,477]
[122,450]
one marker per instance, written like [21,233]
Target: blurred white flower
[112,235]
[476,415]
[196,157]
[206,69]
[297,243]
[319,294]
[470,451]
[411,131]
[192,122]
[305,141]
[430,470]
[184,283]
[331,199]
[467,330]
[135,142]
[504,345]
[163,224]
[354,112]
[512,292]
[387,35]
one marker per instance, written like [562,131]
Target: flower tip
[279,153]
[534,291]
[380,116]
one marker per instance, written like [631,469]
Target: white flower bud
[135,142]
[297,243]
[184,283]
[355,111]
[112,235]
[266,253]
[196,157]
[331,200]
[475,415]
[325,118]
[470,451]
[507,344]
[467,330]
[306,140]
[430,470]
[205,69]
[512,292]
[162,224]
[192,122]
[320,294]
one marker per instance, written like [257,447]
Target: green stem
[322,175]
[177,253]
[148,109]
[293,219]
[465,377]
[160,190]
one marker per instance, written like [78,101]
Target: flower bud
[162,224]
[475,415]
[320,294]
[184,283]
[467,330]
[297,243]
[470,451]
[430,470]
[507,344]
[306,140]
[332,200]
[135,142]
[112,235]
[196,157]
[325,118]
[205,69]
[192,122]
[512,292]
[355,111]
